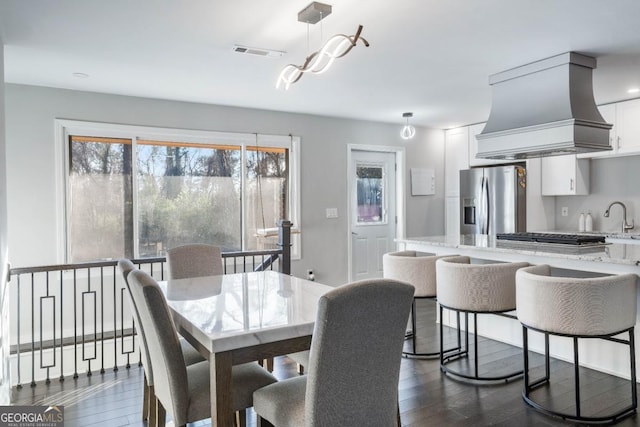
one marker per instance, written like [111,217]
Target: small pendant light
[408,131]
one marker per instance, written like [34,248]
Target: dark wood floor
[427,396]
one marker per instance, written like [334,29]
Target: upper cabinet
[456,158]
[565,175]
[473,148]
[628,124]
[624,137]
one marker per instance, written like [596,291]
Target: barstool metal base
[412,335]
[464,352]
[577,416]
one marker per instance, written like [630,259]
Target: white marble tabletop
[240,310]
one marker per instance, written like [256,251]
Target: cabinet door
[456,158]
[628,124]
[452,216]
[565,175]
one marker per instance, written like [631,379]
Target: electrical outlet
[565,211]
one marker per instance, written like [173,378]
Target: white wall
[30,114]
[4,290]
[610,179]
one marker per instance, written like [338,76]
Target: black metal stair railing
[79,314]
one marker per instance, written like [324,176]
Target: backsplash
[611,179]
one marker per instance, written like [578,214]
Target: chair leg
[241,418]
[161,414]
[153,412]
[300,369]
[145,399]
[632,355]
[576,368]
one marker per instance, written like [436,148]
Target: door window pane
[370,194]
[187,193]
[266,193]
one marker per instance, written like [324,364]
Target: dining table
[238,318]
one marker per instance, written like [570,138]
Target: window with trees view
[136,197]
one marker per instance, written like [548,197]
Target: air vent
[257,51]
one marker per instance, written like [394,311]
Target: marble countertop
[240,310]
[613,253]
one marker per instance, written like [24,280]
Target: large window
[137,196]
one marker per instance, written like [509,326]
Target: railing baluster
[33,334]
[61,326]
[101,320]
[19,385]
[75,325]
[115,327]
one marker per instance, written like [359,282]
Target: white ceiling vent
[257,51]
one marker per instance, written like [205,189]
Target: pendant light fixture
[318,62]
[408,131]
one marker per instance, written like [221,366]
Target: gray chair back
[170,372]
[195,260]
[355,354]
[127,267]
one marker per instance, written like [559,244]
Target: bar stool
[475,288]
[419,270]
[599,307]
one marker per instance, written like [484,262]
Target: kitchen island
[613,258]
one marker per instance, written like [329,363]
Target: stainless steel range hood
[545,108]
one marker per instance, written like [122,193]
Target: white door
[373,218]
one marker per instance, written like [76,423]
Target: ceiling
[431,57]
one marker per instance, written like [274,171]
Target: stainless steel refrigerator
[493,200]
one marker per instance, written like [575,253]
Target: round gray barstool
[475,288]
[417,269]
[598,307]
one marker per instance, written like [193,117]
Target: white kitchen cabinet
[565,175]
[624,137]
[456,158]
[473,148]
[628,124]
[452,216]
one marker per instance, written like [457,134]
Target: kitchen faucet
[625,226]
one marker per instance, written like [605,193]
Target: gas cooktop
[556,238]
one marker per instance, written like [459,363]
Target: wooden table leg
[221,389]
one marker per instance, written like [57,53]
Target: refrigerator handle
[484,200]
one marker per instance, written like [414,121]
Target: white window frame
[65,128]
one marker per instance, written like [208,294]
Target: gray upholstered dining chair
[190,354]
[182,390]
[194,260]
[356,349]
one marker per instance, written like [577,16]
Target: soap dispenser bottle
[588,222]
[581,222]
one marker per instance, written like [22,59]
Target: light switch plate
[332,212]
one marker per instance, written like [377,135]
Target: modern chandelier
[320,61]
[408,131]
